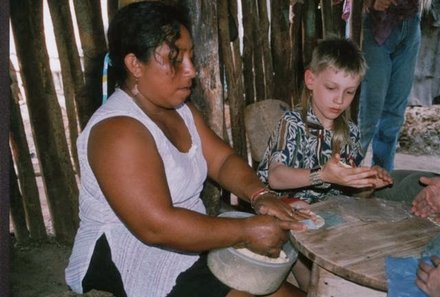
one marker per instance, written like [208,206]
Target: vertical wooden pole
[4,148]
[208,91]
[248,9]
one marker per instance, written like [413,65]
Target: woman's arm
[131,175]
[234,174]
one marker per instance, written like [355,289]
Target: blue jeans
[386,88]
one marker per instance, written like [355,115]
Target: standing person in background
[391,40]
[144,156]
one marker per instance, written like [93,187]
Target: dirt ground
[37,270]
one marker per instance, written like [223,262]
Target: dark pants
[197,281]
[406,186]
[102,273]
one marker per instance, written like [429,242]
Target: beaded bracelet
[257,194]
[315,178]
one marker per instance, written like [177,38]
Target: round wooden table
[359,234]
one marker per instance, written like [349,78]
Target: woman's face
[164,84]
[332,91]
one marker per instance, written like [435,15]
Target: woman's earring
[135,90]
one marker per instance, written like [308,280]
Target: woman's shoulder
[119,108]
[118,102]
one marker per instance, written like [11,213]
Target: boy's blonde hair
[342,54]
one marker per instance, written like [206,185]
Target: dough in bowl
[282,258]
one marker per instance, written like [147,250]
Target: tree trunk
[45,116]
[94,46]
[208,92]
[248,8]
[297,62]
[17,208]
[71,72]
[25,169]
[5,247]
[258,57]
[233,72]
[309,29]
[282,49]
[112,8]
[356,20]
[328,25]
[263,39]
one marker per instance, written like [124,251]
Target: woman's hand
[270,204]
[266,234]
[300,204]
[428,277]
[427,201]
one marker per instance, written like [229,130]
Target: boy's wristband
[315,178]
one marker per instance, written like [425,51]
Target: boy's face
[332,91]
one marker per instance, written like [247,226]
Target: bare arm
[284,177]
[131,176]
[234,174]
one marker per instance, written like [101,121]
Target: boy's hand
[383,178]
[336,172]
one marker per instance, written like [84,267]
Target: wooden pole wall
[245,51]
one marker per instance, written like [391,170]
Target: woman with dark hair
[144,157]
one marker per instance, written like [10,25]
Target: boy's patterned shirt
[294,145]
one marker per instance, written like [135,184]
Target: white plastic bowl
[244,273]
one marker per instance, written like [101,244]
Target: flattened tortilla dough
[314,225]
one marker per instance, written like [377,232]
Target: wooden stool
[326,284]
